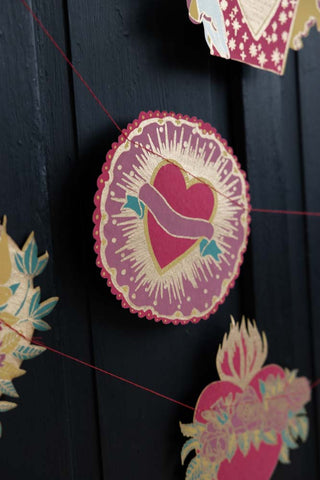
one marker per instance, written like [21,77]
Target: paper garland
[256,32]
[20,308]
[251,418]
[172,218]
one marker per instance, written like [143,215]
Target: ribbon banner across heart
[172,218]
[256,32]
[251,418]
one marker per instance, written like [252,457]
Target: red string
[101,370]
[113,375]
[286,212]
[62,53]
[315,383]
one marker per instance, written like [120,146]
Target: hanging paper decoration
[308,15]
[251,418]
[172,218]
[20,308]
[256,32]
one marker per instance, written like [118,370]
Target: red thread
[286,212]
[315,383]
[52,40]
[113,375]
[101,370]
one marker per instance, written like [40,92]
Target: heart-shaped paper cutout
[258,14]
[194,201]
[247,421]
[257,463]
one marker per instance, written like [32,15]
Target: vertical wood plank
[24,197]
[278,243]
[55,424]
[309,81]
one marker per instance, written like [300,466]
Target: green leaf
[270,437]
[34,302]
[194,469]
[256,438]
[189,429]
[303,427]
[6,387]
[41,264]
[27,352]
[19,262]
[291,375]
[40,325]
[244,442]
[223,419]
[287,438]
[232,446]
[294,429]
[303,411]
[214,467]
[262,387]
[284,454]
[6,406]
[190,445]
[45,308]
[30,255]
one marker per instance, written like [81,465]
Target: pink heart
[195,201]
[256,464]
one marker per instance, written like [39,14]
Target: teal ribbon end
[209,248]
[133,203]
[14,288]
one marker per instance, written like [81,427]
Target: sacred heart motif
[256,32]
[171,219]
[246,422]
[194,201]
[258,14]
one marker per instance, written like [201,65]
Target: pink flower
[298,393]
[223,409]
[248,412]
[277,414]
[214,443]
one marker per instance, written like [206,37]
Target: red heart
[197,201]
[256,464]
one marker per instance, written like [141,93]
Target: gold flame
[251,348]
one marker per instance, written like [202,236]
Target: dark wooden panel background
[72,423]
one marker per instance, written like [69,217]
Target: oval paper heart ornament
[251,418]
[172,218]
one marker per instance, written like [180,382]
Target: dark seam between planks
[68,41]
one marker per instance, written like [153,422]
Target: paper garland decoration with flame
[249,419]
[20,307]
[170,234]
[256,32]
